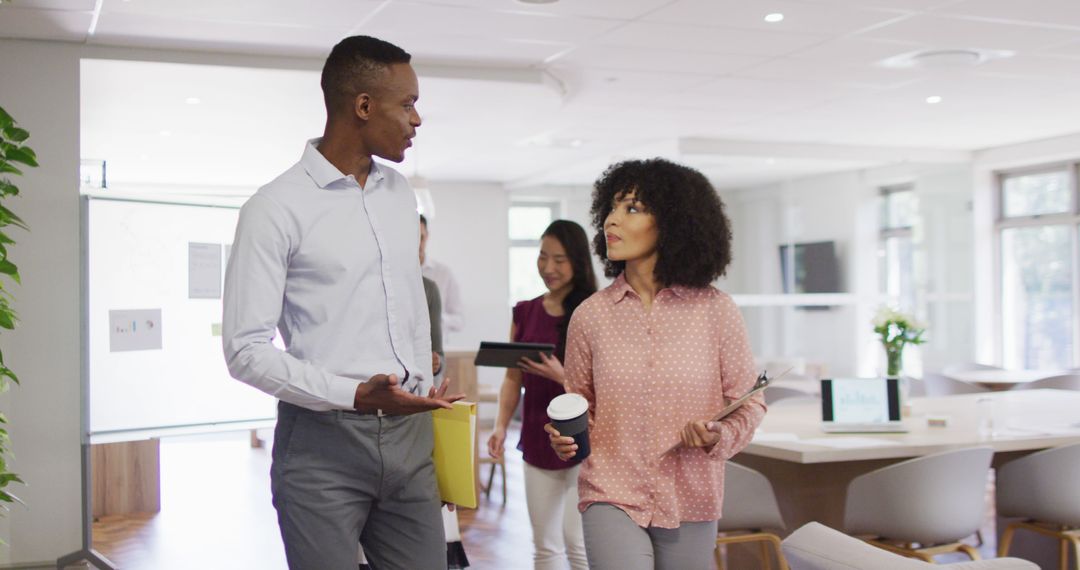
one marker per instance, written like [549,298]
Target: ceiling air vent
[944,58]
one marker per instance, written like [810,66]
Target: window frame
[554,206]
[1069,219]
[886,233]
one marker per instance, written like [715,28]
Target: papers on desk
[833,442]
[849,442]
[762,437]
[1029,429]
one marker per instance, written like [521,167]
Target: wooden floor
[216,513]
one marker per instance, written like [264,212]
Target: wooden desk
[811,480]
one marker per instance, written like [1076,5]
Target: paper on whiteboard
[138,329]
[204,270]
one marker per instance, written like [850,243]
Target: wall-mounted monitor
[810,268]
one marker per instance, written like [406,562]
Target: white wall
[469,233]
[843,207]
[985,166]
[39,86]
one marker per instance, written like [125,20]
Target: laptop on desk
[861,405]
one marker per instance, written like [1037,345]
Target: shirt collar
[324,173]
[620,288]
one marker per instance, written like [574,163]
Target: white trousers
[552,498]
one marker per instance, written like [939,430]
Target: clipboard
[763,381]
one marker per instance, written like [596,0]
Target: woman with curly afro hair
[655,354]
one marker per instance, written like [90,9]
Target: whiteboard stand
[87,552]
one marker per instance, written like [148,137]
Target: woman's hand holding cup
[564,446]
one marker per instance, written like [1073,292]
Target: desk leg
[126,477]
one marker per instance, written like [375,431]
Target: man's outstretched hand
[383,392]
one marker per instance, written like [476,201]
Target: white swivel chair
[817,547]
[1063,382]
[750,508]
[923,506]
[967,367]
[1042,489]
[942,385]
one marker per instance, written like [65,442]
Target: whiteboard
[138,260]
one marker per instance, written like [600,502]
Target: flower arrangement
[896,330]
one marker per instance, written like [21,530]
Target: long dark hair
[583,284]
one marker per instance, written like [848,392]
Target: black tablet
[507,354]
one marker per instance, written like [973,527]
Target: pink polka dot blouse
[645,375]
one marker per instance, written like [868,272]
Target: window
[527,221]
[899,207]
[1037,233]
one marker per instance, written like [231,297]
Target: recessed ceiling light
[538,1]
[193,100]
[774,17]
[165,133]
[933,99]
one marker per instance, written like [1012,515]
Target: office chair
[923,506]
[749,507]
[815,546]
[1042,489]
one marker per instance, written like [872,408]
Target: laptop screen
[860,400]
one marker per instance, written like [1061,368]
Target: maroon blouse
[534,324]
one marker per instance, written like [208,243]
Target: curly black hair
[694,234]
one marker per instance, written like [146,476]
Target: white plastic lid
[567,407]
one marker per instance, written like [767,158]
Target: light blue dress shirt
[335,268]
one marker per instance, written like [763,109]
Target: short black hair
[694,234]
[353,66]
[423,220]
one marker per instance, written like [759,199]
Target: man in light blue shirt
[326,255]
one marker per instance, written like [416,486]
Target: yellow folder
[455,454]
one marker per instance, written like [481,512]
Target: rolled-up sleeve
[578,366]
[738,374]
[254,297]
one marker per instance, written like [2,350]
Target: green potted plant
[14,156]
[896,330]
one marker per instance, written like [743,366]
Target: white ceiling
[550,94]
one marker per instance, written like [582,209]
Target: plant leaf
[15,134]
[5,371]
[6,320]
[8,214]
[23,154]
[5,119]
[8,167]
[8,188]
[5,239]
[9,268]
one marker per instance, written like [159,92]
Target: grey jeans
[613,541]
[338,477]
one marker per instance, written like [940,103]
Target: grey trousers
[338,477]
[613,541]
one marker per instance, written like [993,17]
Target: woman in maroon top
[550,483]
